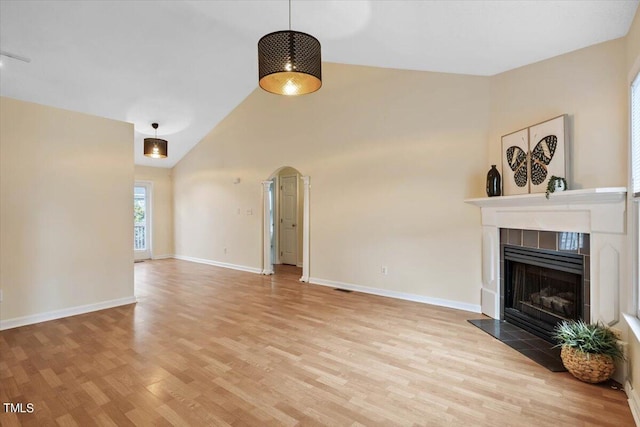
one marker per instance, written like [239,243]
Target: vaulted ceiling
[187,64]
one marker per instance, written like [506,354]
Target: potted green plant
[588,350]
[556,183]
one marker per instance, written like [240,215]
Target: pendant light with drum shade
[289,62]
[155,147]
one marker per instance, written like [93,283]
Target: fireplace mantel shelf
[569,197]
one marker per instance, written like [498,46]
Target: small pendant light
[154,147]
[289,62]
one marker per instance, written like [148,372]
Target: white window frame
[148,252]
[634,187]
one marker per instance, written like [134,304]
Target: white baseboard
[475,308]
[65,312]
[166,256]
[219,264]
[634,402]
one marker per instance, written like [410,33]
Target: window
[142,220]
[139,218]
[635,136]
[635,182]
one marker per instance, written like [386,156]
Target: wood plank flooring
[207,346]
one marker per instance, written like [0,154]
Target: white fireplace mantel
[569,197]
[601,212]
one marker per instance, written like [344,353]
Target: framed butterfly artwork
[547,142]
[515,163]
[531,156]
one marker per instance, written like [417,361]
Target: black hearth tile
[545,346]
[550,349]
[488,325]
[515,237]
[540,357]
[530,238]
[548,240]
[489,322]
[553,352]
[533,347]
[504,235]
[510,329]
[503,335]
[493,332]
[521,334]
[484,324]
[553,364]
[523,344]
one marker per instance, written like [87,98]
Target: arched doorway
[281,226]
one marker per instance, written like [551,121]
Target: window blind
[635,135]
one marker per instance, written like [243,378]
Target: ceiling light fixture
[289,62]
[154,147]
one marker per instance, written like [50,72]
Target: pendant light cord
[289,15]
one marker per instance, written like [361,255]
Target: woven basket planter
[587,367]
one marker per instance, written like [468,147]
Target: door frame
[267,262]
[275,204]
[148,253]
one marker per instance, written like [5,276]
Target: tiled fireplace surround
[574,243]
[599,213]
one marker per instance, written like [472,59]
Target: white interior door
[288,218]
[142,221]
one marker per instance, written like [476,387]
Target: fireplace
[543,287]
[532,220]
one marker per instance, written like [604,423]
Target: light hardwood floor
[206,346]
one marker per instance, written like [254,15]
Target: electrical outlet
[225,250]
[384,270]
[1,296]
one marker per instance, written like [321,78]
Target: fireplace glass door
[542,288]
[541,292]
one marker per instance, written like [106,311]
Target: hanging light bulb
[289,62]
[154,147]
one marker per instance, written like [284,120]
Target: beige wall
[633,45]
[588,85]
[391,155]
[65,210]
[162,208]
